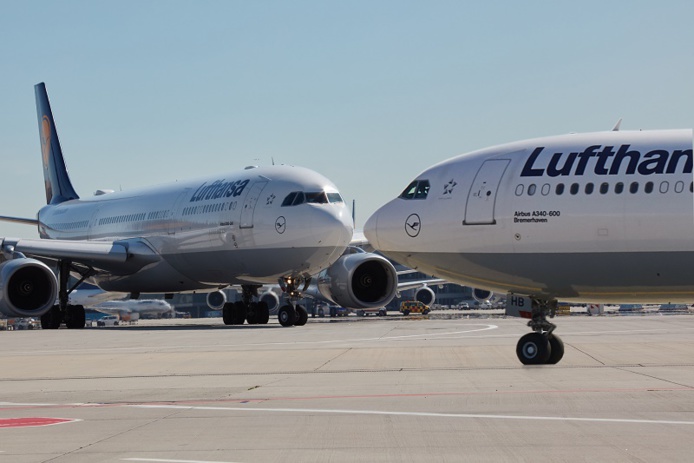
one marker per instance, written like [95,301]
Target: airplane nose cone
[333,226]
[371,229]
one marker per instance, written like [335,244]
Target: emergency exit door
[481,200]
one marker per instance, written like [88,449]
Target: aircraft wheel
[286,315]
[75,317]
[301,316]
[51,320]
[238,314]
[262,312]
[361,313]
[533,349]
[252,313]
[226,313]
[321,312]
[557,349]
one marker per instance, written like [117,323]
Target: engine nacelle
[216,300]
[482,295]
[359,281]
[28,288]
[271,299]
[425,295]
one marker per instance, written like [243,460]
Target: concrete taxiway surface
[373,389]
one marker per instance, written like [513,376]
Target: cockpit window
[289,199]
[419,189]
[314,197]
[335,198]
[299,199]
[317,198]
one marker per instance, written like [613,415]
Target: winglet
[56,179]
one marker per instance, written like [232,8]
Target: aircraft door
[174,216]
[249,204]
[481,199]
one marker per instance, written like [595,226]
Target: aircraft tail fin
[56,179]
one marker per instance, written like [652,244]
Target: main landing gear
[541,346]
[292,314]
[256,313]
[73,315]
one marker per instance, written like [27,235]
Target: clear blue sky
[369,93]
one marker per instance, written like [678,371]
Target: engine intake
[425,295]
[272,300]
[28,288]
[216,300]
[359,281]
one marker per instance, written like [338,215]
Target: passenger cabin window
[419,189]
[619,188]
[560,189]
[574,188]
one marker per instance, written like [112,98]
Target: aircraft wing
[359,241]
[119,257]
[21,220]
[405,285]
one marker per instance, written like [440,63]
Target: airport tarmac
[358,389]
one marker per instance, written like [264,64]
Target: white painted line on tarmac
[166,460]
[421,414]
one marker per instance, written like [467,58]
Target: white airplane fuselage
[228,229]
[595,217]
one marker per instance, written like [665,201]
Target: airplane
[92,297]
[595,217]
[133,309]
[256,226]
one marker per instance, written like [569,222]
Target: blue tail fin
[57,182]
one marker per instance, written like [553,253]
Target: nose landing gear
[541,346]
[293,314]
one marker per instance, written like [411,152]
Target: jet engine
[271,299]
[359,281]
[216,300]
[28,288]
[425,295]
[482,295]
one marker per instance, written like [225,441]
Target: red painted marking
[31,422]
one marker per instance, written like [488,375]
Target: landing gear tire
[533,349]
[75,317]
[226,313]
[287,315]
[557,349]
[301,316]
[252,313]
[238,313]
[51,320]
[262,313]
